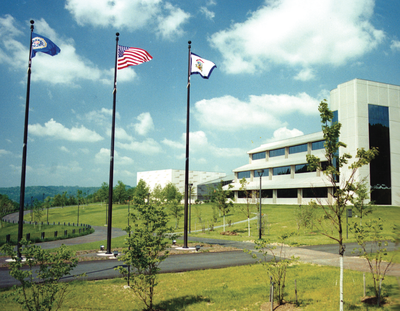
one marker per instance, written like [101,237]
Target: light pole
[190,206]
[260,172]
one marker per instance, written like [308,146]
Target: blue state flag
[42,44]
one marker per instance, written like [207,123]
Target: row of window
[292,149]
[308,193]
[281,170]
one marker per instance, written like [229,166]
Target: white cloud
[284,133]
[59,131]
[299,33]
[305,75]
[103,157]
[207,13]
[198,144]
[64,149]
[231,114]
[170,26]
[148,146]
[395,45]
[4,152]
[66,68]
[101,117]
[121,134]
[163,18]
[145,124]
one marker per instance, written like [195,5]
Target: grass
[235,288]
[280,219]
[36,230]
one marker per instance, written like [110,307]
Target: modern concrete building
[370,116]
[177,177]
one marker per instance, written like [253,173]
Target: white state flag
[201,66]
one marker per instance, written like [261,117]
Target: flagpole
[185,229]
[110,186]
[24,149]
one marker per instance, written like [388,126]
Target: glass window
[283,170]
[380,169]
[265,193]
[315,192]
[298,148]
[287,193]
[301,168]
[259,155]
[277,152]
[316,145]
[265,173]
[245,174]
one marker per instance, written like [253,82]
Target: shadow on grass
[180,303]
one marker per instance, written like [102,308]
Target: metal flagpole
[110,186]
[24,147]
[185,229]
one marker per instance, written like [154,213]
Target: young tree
[141,192]
[120,193]
[362,194]
[146,250]
[170,193]
[222,200]
[157,193]
[7,206]
[275,267]
[334,212]
[176,210]
[41,289]
[373,251]
[246,209]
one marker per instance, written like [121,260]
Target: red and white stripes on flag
[128,56]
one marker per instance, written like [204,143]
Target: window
[301,168]
[265,193]
[277,152]
[245,174]
[287,193]
[298,148]
[315,192]
[283,170]
[265,173]
[380,170]
[258,155]
[316,145]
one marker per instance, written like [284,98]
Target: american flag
[128,56]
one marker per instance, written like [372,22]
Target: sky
[276,60]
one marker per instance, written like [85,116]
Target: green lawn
[235,288]
[280,219]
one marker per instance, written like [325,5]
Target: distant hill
[36,192]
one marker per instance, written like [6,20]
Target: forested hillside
[38,193]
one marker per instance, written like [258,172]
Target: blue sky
[276,60]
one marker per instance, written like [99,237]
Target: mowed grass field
[235,288]
[280,219]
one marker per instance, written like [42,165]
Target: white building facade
[177,177]
[370,116]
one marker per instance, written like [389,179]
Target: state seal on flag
[199,64]
[38,43]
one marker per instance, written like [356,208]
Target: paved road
[191,260]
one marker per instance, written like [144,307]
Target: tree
[221,199]
[64,199]
[146,250]
[103,192]
[7,206]
[373,252]
[41,289]
[141,192]
[157,193]
[120,193]
[37,212]
[170,193]
[176,210]
[275,267]
[343,192]
[358,201]
[246,209]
